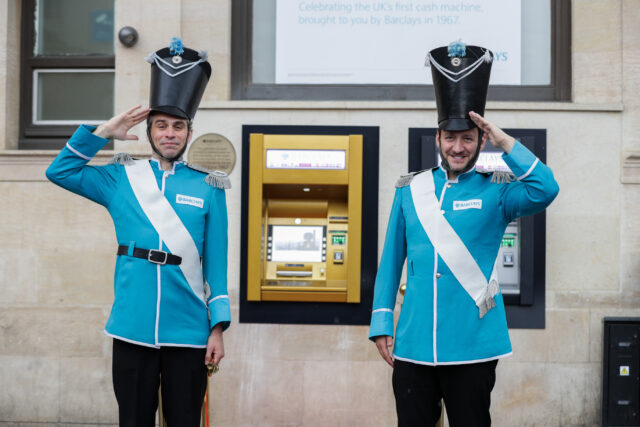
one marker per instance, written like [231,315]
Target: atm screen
[306,159]
[297,243]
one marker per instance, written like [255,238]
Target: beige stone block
[208,23]
[590,70]
[61,220]
[630,237]
[74,247]
[630,223]
[37,424]
[596,25]
[233,259]
[219,88]
[82,425]
[325,342]
[541,394]
[26,166]
[550,299]
[572,146]
[258,393]
[583,253]
[630,166]
[29,389]
[630,273]
[612,299]
[19,271]
[341,393]
[156,24]
[9,73]
[60,242]
[52,332]
[630,57]
[252,341]
[12,225]
[596,328]
[564,339]
[631,147]
[86,391]
[75,278]
[233,286]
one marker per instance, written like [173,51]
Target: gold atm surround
[326,198]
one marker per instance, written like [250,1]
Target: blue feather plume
[176,47]
[458,49]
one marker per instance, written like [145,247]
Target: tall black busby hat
[460,79]
[179,76]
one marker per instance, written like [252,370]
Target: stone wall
[56,249]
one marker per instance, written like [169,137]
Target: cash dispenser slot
[288,270]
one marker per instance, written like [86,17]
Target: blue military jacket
[439,322]
[154,304]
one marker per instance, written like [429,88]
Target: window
[374,50]
[67,69]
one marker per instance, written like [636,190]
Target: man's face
[169,134]
[458,148]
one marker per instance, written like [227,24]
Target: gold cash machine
[304,218]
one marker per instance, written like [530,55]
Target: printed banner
[386,42]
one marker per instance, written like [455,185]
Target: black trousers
[466,390]
[139,370]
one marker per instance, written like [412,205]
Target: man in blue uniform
[448,223]
[171,303]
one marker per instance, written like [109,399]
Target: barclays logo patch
[459,205]
[189,200]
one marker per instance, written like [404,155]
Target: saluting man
[171,303]
[448,223]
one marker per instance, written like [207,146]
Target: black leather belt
[152,255]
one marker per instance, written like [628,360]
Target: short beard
[168,159]
[472,161]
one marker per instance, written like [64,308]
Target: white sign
[386,42]
[306,159]
[491,161]
[488,161]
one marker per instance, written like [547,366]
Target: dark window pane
[74,27]
[73,96]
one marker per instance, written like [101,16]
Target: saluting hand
[118,126]
[496,136]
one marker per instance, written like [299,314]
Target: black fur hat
[179,76]
[460,79]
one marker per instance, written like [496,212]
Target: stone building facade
[56,249]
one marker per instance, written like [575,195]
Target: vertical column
[156,22]
[207,26]
[9,72]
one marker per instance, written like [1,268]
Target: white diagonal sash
[166,222]
[448,244]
